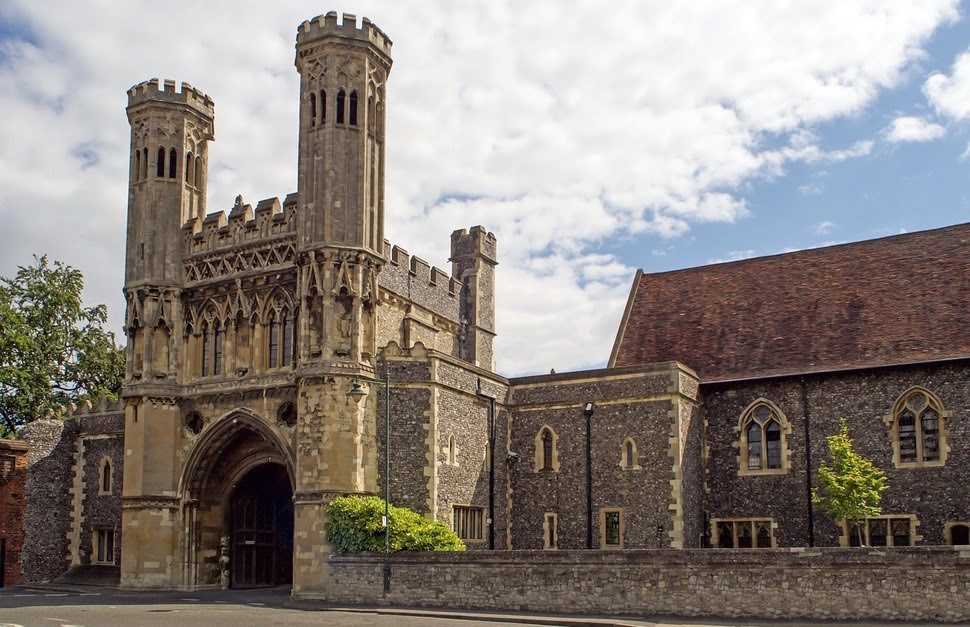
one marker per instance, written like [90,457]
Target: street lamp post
[358,392]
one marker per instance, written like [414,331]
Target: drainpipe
[588,410]
[808,465]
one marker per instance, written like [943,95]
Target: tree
[53,350]
[852,487]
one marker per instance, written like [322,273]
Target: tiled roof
[892,300]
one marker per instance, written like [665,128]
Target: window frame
[103,488]
[735,522]
[604,513]
[458,525]
[845,538]
[891,421]
[98,543]
[625,448]
[540,462]
[741,441]
[948,532]
[550,531]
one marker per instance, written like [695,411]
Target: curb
[529,619]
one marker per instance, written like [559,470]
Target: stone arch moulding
[220,432]
[741,442]
[892,424]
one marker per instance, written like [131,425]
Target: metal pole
[387,478]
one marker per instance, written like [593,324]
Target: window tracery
[918,429]
[763,443]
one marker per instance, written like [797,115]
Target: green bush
[355,525]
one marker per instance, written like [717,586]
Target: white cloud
[556,128]
[909,128]
[735,255]
[950,95]
[823,228]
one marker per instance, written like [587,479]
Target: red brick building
[13,465]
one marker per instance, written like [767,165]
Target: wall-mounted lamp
[357,390]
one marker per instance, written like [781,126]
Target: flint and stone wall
[863,398]
[773,584]
[103,439]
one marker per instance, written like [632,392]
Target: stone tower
[170,131]
[340,233]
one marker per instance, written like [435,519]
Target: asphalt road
[235,608]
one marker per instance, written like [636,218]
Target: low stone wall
[919,583]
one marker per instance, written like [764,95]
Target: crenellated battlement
[323,26]
[242,225]
[85,408]
[414,278]
[152,91]
[476,241]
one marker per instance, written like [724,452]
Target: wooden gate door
[253,558]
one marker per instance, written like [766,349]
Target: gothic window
[452,449]
[341,96]
[917,425]
[206,350]
[628,455]
[288,339]
[323,106]
[353,108]
[879,531]
[144,163]
[370,114]
[217,349]
[274,341]
[189,168]
[313,109]
[546,450]
[550,531]
[611,529]
[137,173]
[742,533]
[160,166]
[105,480]
[763,444]
[958,534]
[199,171]
[173,159]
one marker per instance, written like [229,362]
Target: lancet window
[918,429]
[763,443]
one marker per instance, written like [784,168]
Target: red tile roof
[892,300]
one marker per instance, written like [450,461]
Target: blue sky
[655,135]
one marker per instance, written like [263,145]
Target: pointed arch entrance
[237,499]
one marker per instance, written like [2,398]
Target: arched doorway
[261,529]
[237,505]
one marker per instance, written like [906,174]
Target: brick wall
[862,398]
[773,584]
[13,471]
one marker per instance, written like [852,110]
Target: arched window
[160,166]
[287,347]
[199,171]
[370,113]
[189,168]
[918,428]
[353,108]
[173,159]
[628,455]
[340,106]
[144,163]
[313,109]
[763,444]
[323,106]
[452,449]
[217,352]
[274,341]
[137,172]
[546,450]
[105,487]
[206,350]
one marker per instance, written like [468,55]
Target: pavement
[77,606]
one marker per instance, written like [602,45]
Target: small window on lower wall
[899,530]
[743,533]
[958,533]
[612,528]
[104,546]
[467,521]
[550,531]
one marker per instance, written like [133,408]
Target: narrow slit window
[199,171]
[206,349]
[274,341]
[287,339]
[323,106]
[189,168]
[547,449]
[217,355]
[106,477]
[137,173]
[353,108]
[173,159]
[313,109]
[160,166]
[341,96]
[144,164]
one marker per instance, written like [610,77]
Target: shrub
[354,525]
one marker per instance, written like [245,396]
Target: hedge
[355,524]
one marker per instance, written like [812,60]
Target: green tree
[53,349]
[851,488]
[355,523]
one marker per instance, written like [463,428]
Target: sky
[592,141]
